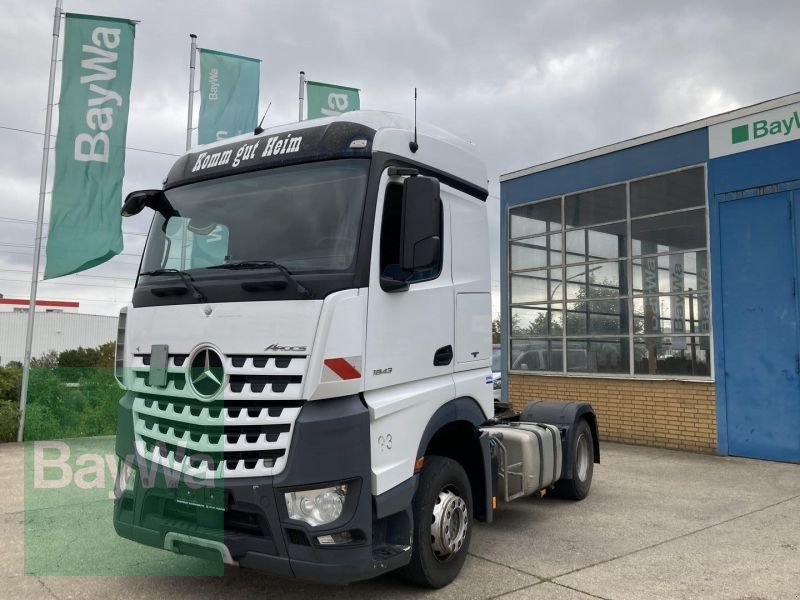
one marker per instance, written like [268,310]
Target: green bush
[72,394]
[9,420]
[71,402]
[10,382]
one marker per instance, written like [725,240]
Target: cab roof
[331,137]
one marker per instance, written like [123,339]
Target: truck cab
[306,357]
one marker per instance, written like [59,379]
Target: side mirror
[421,229]
[391,285]
[135,202]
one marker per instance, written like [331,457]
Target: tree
[496,331]
[102,356]
[46,361]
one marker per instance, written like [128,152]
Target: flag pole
[37,245]
[191,91]
[302,92]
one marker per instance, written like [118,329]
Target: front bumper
[254,530]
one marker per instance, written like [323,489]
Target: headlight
[126,478]
[497,384]
[119,355]
[316,507]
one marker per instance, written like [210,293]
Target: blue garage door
[760,259]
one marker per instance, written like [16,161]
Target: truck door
[409,348]
[410,334]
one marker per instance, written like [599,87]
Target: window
[194,245]
[613,280]
[390,240]
[306,217]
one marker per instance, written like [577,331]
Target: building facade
[53,331]
[657,277]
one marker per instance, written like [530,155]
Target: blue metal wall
[754,257]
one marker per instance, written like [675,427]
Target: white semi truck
[306,359]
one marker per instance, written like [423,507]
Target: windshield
[305,218]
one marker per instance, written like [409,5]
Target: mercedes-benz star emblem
[206,374]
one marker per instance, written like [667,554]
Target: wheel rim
[583,456]
[449,525]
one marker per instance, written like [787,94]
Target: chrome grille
[247,434]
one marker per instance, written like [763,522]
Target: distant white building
[57,331]
[22,305]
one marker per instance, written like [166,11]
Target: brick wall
[667,414]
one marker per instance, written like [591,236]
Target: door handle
[443,356]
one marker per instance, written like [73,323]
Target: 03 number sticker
[385,442]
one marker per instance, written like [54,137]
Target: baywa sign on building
[755,131]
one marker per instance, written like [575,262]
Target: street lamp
[592,270]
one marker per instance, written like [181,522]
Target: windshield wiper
[185,277]
[267,264]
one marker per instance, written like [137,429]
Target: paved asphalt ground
[657,524]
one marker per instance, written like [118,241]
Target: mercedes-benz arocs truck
[306,359]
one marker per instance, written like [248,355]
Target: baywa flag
[228,95]
[325,100]
[85,221]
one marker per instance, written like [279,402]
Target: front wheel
[442,523]
[582,453]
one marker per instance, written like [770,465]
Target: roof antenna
[414,146]
[259,130]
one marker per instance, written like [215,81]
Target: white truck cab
[307,358]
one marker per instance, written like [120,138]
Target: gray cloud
[525,81]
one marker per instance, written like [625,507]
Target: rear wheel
[582,453]
[442,523]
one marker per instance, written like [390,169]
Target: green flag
[228,95]
[85,222]
[325,100]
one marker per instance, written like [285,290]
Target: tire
[582,453]
[442,504]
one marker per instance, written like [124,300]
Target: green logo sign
[85,223]
[228,95]
[325,100]
[740,134]
[764,128]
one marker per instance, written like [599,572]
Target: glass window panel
[672,355]
[597,317]
[597,206]
[669,233]
[597,243]
[536,355]
[540,217]
[671,314]
[546,320]
[533,253]
[598,280]
[672,273]
[576,291]
[536,286]
[576,246]
[672,191]
[598,355]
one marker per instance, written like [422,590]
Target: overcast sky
[527,81]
